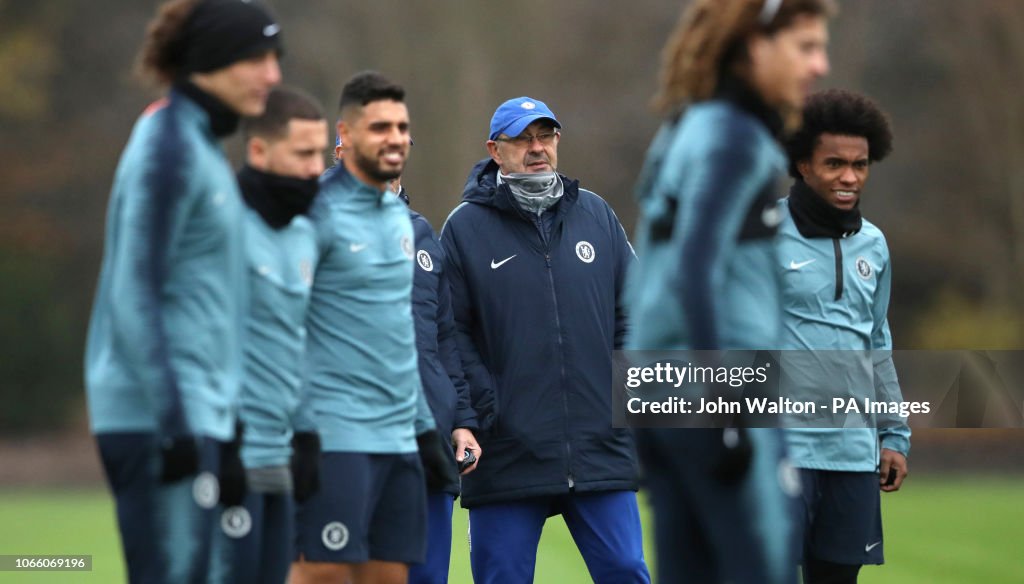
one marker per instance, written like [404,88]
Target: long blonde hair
[708,40]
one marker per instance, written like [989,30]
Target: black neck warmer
[278,199]
[814,217]
[737,91]
[223,120]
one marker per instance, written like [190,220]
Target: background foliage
[950,199]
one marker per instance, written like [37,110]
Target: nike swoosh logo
[271,29]
[872,546]
[793,265]
[495,265]
[357,247]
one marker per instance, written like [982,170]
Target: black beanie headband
[219,33]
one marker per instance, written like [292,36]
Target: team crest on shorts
[236,522]
[335,536]
[407,247]
[585,252]
[206,490]
[864,268]
[424,260]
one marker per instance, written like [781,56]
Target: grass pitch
[939,530]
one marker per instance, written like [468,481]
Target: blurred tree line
[949,199]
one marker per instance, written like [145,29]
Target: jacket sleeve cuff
[896,442]
[467,420]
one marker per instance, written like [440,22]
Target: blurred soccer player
[706,279]
[284,158]
[163,357]
[836,281]
[368,520]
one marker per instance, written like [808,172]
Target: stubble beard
[371,167]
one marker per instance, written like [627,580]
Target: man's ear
[804,168]
[343,130]
[492,149]
[256,152]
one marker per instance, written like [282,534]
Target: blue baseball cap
[512,117]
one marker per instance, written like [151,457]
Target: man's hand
[179,449]
[464,440]
[735,456]
[179,456]
[305,465]
[891,460]
[437,467]
[232,472]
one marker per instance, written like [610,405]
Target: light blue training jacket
[705,241]
[164,350]
[830,310]
[280,269]
[363,374]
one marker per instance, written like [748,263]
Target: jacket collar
[339,176]
[736,91]
[482,188]
[277,199]
[814,217]
[222,120]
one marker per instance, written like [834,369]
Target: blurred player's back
[706,279]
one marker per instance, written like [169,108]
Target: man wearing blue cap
[536,266]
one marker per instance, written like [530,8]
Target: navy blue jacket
[538,314]
[440,367]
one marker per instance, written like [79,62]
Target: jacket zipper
[839,268]
[558,326]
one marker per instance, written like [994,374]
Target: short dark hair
[367,87]
[283,105]
[837,111]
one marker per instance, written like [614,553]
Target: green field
[939,530]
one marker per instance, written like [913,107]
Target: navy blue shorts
[840,519]
[710,531]
[166,529]
[369,507]
[254,540]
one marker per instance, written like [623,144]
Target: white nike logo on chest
[495,265]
